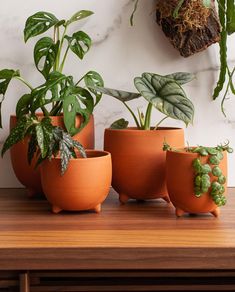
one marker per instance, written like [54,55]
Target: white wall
[119,53]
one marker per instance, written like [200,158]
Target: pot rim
[136,130]
[100,155]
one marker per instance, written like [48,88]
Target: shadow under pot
[181,183]
[139,162]
[27,174]
[84,186]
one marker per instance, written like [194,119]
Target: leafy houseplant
[165,93]
[59,94]
[137,157]
[196,178]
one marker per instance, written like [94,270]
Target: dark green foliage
[120,124]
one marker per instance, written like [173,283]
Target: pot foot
[166,199]
[98,208]
[123,198]
[179,212]
[56,209]
[31,192]
[216,212]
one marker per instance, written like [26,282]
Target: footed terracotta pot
[27,174]
[180,184]
[84,186]
[139,161]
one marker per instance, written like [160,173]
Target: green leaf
[207,3]
[181,77]
[93,79]
[119,124]
[6,76]
[79,15]
[166,95]
[216,171]
[45,51]
[77,100]
[39,23]
[79,43]
[17,134]
[118,94]
[44,135]
[32,146]
[23,105]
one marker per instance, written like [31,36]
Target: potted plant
[137,157]
[197,178]
[74,179]
[68,102]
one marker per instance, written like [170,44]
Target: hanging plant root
[195,27]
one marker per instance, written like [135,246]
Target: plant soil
[195,28]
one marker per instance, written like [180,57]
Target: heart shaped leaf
[79,43]
[119,124]
[181,77]
[118,94]
[166,95]
[38,23]
[79,15]
[45,51]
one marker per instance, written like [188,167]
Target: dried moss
[192,15]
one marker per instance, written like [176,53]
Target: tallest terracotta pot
[27,174]
[139,163]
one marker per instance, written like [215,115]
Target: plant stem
[80,80]
[148,117]
[133,115]
[60,47]
[64,58]
[45,111]
[160,122]
[25,82]
[224,98]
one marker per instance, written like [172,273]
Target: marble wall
[119,53]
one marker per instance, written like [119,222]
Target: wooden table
[132,247]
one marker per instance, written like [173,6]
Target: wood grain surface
[133,236]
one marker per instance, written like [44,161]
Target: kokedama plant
[193,25]
[204,172]
[59,94]
[161,92]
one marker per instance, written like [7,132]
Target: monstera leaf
[77,100]
[45,51]
[166,95]
[79,15]
[91,80]
[6,76]
[79,43]
[38,24]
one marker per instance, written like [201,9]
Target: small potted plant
[197,178]
[69,103]
[137,156]
[74,179]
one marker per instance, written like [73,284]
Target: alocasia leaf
[119,124]
[45,51]
[38,23]
[181,77]
[79,43]
[166,95]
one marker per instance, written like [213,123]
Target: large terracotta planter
[27,174]
[180,184]
[84,186]
[139,161]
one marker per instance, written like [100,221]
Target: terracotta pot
[180,184]
[139,161]
[84,186]
[27,174]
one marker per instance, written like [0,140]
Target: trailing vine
[209,177]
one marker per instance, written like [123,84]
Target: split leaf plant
[59,94]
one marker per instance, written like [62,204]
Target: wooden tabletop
[133,236]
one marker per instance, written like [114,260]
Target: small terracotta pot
[27,174]
[180,184]
[84,186]
[139,161]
